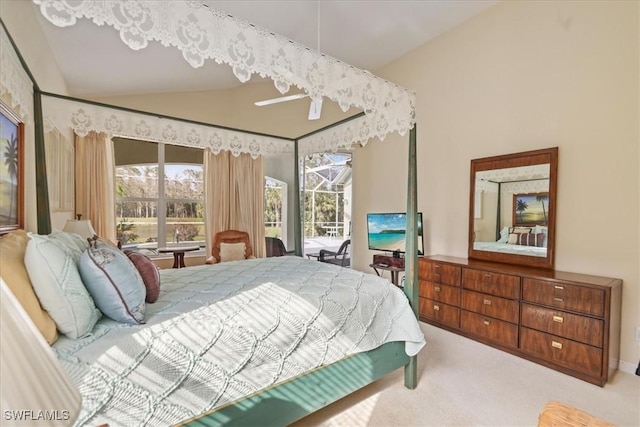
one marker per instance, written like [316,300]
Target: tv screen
[386,232]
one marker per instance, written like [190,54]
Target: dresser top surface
[530,272]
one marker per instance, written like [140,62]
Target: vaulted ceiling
[366,34]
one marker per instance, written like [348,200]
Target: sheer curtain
[234,197]
[95,182]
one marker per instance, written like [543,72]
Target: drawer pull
[486,321]
[487,274]
[558,319]
[558,299]
[556,344]
[487,302]
[436,266]
[560,288]
[436,307]
[437,288]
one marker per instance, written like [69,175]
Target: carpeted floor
[465,383]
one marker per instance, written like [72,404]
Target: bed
[219,333]
[521,240]
[387,108]
[509,248]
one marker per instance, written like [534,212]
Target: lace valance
[14,80]
[201,32]
[84,117]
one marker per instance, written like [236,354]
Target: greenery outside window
[152,213]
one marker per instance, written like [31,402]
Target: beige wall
[521,76]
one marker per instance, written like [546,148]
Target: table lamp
[79,226]
[35,388]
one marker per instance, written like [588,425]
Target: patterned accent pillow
[513,239]
[114,283]
[520,230]
[149,273]
[232,252]
[531,239]
[58,285]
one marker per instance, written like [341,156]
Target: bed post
[297,225]
[411,255]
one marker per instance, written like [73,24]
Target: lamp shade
[82,227]
[35,389]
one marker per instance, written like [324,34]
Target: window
[153,212]
[275,208]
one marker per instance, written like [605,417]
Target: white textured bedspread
[220,332]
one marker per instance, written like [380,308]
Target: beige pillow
[232,252]
[14,273]
[513,239]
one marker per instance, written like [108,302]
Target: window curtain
[95,181]
[234,197]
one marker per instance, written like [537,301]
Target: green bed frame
[292,400]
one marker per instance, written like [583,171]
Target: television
[386,232]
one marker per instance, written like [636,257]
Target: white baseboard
[628,367]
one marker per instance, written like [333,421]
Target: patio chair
[340,258]
[275,247]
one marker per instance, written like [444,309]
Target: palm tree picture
[10,132]
[530,209]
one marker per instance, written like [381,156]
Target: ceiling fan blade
[315,109]
[280,99]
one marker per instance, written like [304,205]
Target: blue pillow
[114,283]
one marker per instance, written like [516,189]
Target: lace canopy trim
[83,118]
[201,32]
[14,81]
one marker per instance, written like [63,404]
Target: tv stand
[393,264]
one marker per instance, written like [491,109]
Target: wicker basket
[556,414]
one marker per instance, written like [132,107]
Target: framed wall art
[530,209]
[11,170]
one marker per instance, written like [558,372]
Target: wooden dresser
[566,321]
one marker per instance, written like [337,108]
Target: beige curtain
[95,182]
[234,197]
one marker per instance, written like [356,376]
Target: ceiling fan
[315,108]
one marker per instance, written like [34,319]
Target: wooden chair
[338,258]
[226,243]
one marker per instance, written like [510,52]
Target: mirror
[512,208]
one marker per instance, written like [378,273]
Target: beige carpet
[465,383]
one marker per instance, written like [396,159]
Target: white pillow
[57,283]
[232,252]
[75,244]
[513,239]
[504,235]
[114,283]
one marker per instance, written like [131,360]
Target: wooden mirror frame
[528,158]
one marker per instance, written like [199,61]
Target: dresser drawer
[564,296]
[438,272]
[578,328]
[490,305]
[502,333]
[440,312]
[438,292]
[503,285]
[561,351]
